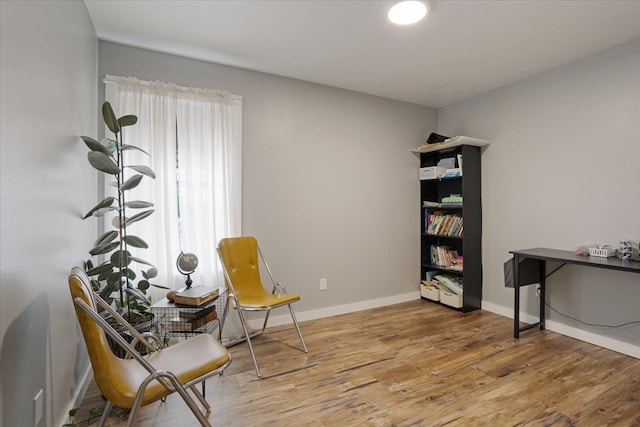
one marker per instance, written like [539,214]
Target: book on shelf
[180,324]
[443,224]
[445,256]
[196,314]
[452,198]
[449,283]
[196,296]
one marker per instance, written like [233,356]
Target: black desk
[541,256]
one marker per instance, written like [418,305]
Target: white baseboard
[570,331]
[285,319]
[78,396]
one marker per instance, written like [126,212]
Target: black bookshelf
[469,244]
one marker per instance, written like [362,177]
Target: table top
[570,257]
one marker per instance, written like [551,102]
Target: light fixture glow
[407,12]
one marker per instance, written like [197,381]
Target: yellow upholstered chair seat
[187,360]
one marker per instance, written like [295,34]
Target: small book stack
[196,296]
[190,321]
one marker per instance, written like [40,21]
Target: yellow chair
[240,257]
[142,379]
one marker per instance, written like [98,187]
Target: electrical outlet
[323,284]
[38,407]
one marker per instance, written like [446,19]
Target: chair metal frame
[152,343]
[277,289]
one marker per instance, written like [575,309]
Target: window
[194,139]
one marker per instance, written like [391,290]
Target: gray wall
[562,171]
[330,188]
[48,72]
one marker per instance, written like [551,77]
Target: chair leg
[202,399]
[105,413]
[295,322]
[248,337]
[173,385]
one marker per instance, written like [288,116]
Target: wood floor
[413,364]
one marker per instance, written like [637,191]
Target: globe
[187,263]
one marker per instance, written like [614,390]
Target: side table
[176,320]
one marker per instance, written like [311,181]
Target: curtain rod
[108,78]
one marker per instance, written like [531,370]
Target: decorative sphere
[187,263]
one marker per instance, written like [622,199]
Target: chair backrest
[107,368]
[241,259]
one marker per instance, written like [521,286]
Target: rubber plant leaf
[133,147]
[102,211]
[130,273]
[143,285]
[103,276]
[110,118]
[131,183]
[95,145]
[124,255]
[99,250]
[152,273]
[107,237]
[116,222]
[138,204]
[138,217]
[140,261]
[102,162]
[105,293]
[128,120]
[103,268]
[135,293]
[145,170]
[103,204]
[136,242]
[114,278]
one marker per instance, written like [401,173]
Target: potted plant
[115,274]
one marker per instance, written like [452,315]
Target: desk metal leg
[516,303]
[543,273]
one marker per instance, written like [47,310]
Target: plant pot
[140,323]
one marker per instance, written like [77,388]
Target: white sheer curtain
[193,137]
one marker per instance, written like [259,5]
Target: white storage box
[450,299]
[431,172]
[604,252]
[429,292]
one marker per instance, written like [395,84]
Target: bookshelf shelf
[458,227]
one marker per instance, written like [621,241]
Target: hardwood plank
[413,364]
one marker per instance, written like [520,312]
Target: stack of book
[443,224]
[445,256]
[191,320]
[449,283]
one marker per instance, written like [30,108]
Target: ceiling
[462,48]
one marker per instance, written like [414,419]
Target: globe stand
[186,264]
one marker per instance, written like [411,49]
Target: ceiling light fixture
[407,12]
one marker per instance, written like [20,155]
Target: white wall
[330,188]
[562,171]
[48,73]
